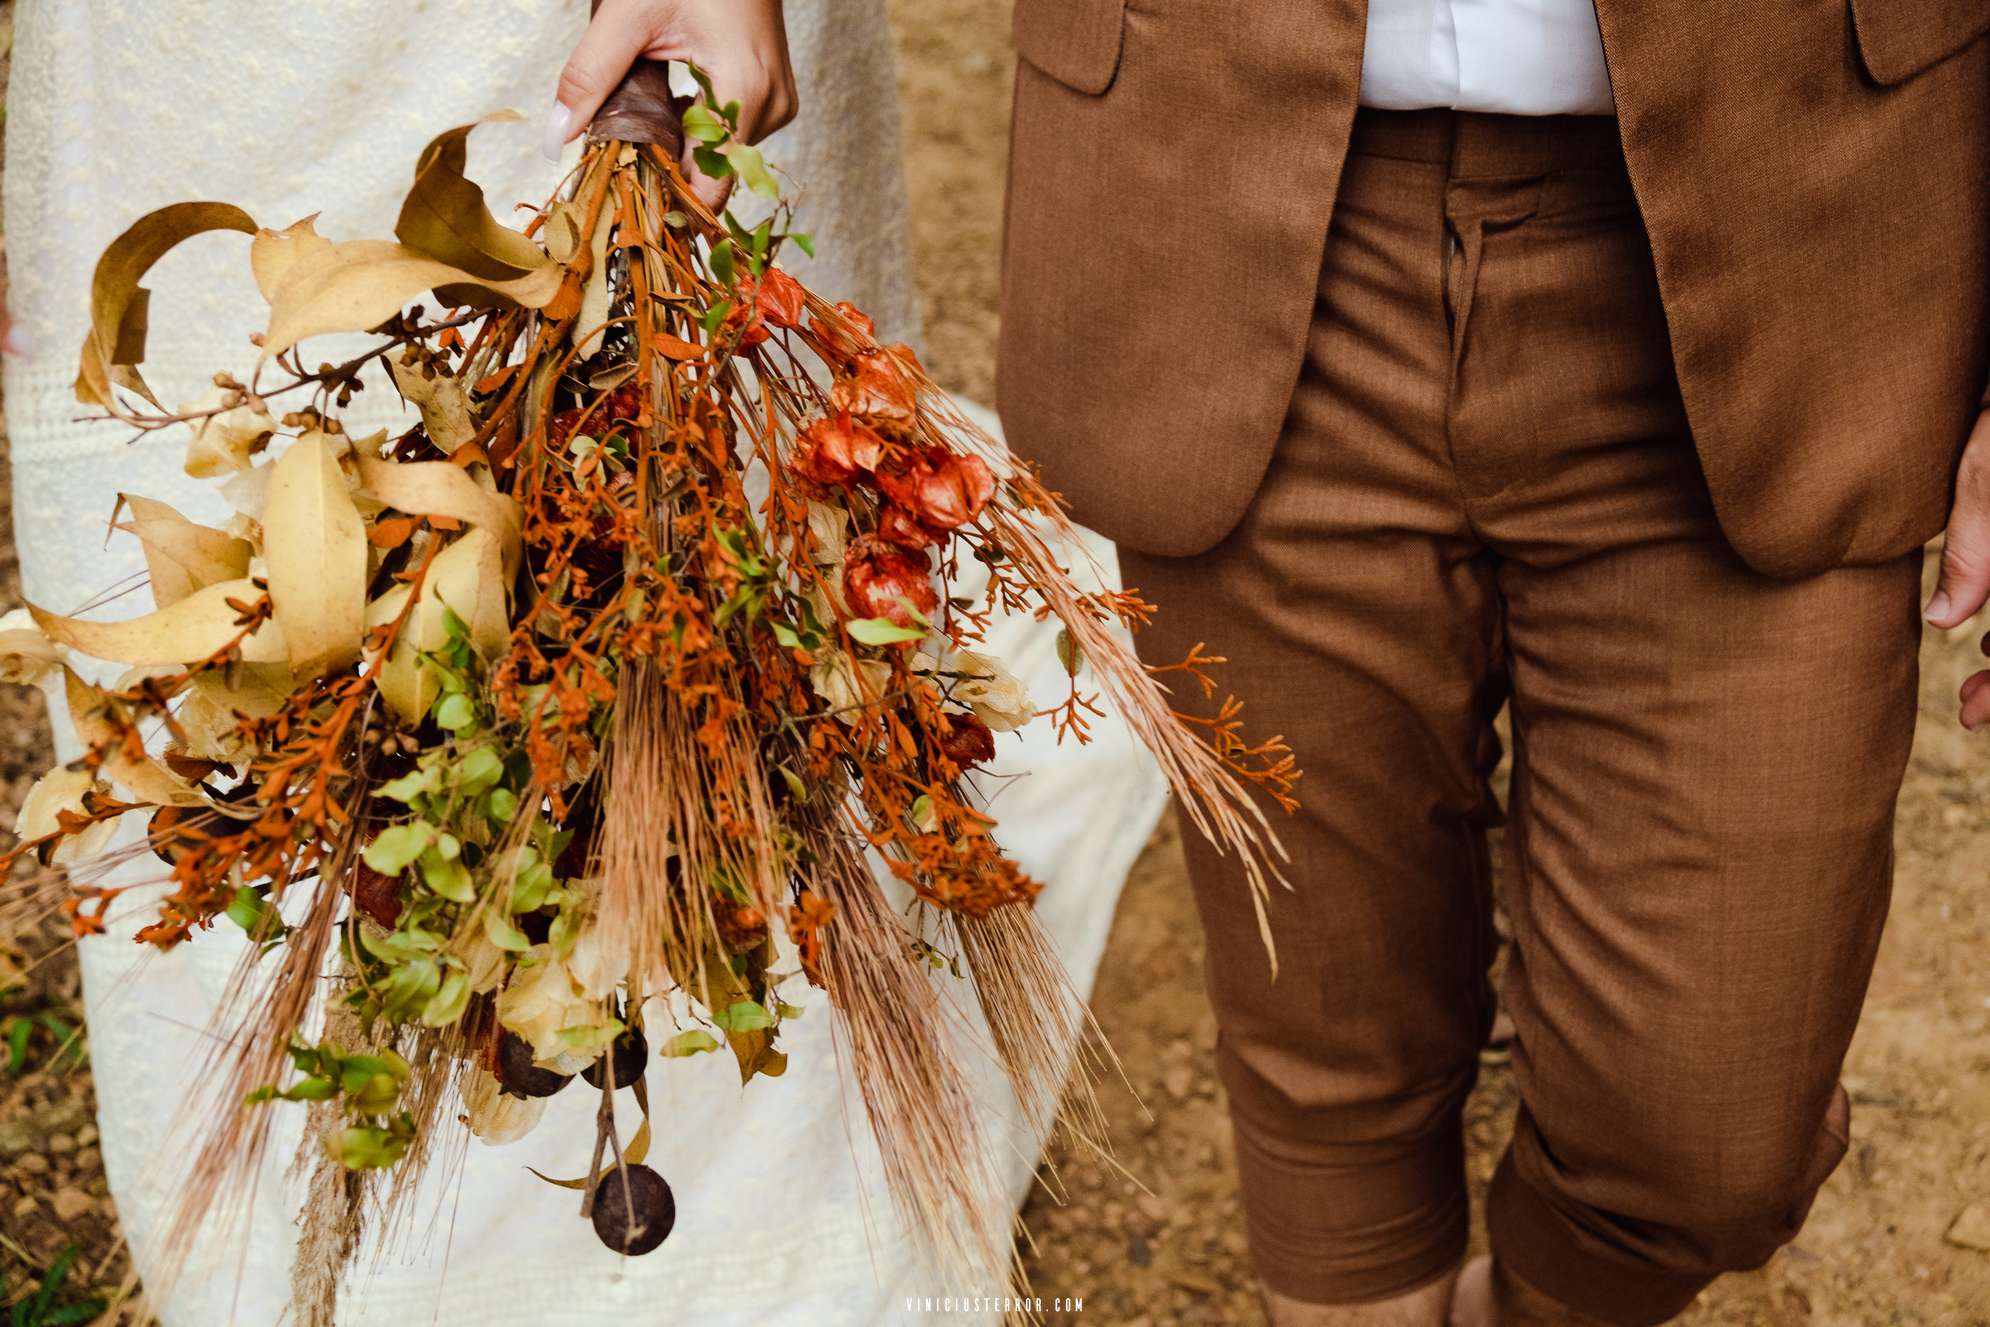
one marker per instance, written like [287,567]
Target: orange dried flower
[941,491]
[835,451]
[882,580]
[967,741]
[837,343]
[876,390]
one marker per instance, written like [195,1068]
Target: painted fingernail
[559,128]
[1938,607]
[16,341]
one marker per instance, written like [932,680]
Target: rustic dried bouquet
[615,678]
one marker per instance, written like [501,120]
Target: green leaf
[529,890]
[693,1042]
[804,241]
[592,1036]
[479,770]
[411,986]
[788,1010]
[1069,653]
[455,712]
[785,634]
[370,1148]
[413,784]
[704,82]
[701,124]
[311,1089]
[248,911]
[501,805]
[447,877]
[716,315]
[882,631]
[448,1002]
[752,169]
[743,1016]
[711,161]
[500,932]
[723,266]
[395,848]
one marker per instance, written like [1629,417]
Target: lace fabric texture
[285,110]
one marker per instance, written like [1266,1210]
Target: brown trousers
[1485,494]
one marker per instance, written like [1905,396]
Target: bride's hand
[741,44]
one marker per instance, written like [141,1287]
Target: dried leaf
[444,405]
[180,555]
[595,297]
[223,441]
[360,284]
[26,656]
[276,255]
[439,488]
[119,306]
[444,216]
[315,546]
[187,632]
[467,578]
[144,778]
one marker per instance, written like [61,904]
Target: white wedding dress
[117,108]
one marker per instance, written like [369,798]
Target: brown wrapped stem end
[643,110]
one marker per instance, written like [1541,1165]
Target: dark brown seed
[633,1210]
[519,1075]
[630,1055]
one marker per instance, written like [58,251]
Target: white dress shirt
[1517,57]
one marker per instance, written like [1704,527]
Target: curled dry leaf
[315,546]
[468,579]
[225,440]
[444,405]
[439,488]
[91,713]
[182,556]
[444,216]
[26,656]
[118,305]
[185,632]
[63,789]
[360,284]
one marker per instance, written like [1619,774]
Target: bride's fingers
[1975,695]
[13,337]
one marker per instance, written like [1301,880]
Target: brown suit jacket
[1814,175]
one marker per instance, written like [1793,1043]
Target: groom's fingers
[1964,582]
[1976,701]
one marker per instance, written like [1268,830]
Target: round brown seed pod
[633,1209]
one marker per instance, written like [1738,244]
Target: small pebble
[1971,1228]
[61,1143]
[71,1203]
[24,1207]
[34,1163]
[89,1159]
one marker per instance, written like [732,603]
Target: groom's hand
[741,44]
[1964,584]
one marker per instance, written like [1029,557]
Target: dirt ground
[1886,1243]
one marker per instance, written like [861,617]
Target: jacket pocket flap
[1076,42]
[1900,38]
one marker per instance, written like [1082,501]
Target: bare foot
[1424,1307]
[1472,1301]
